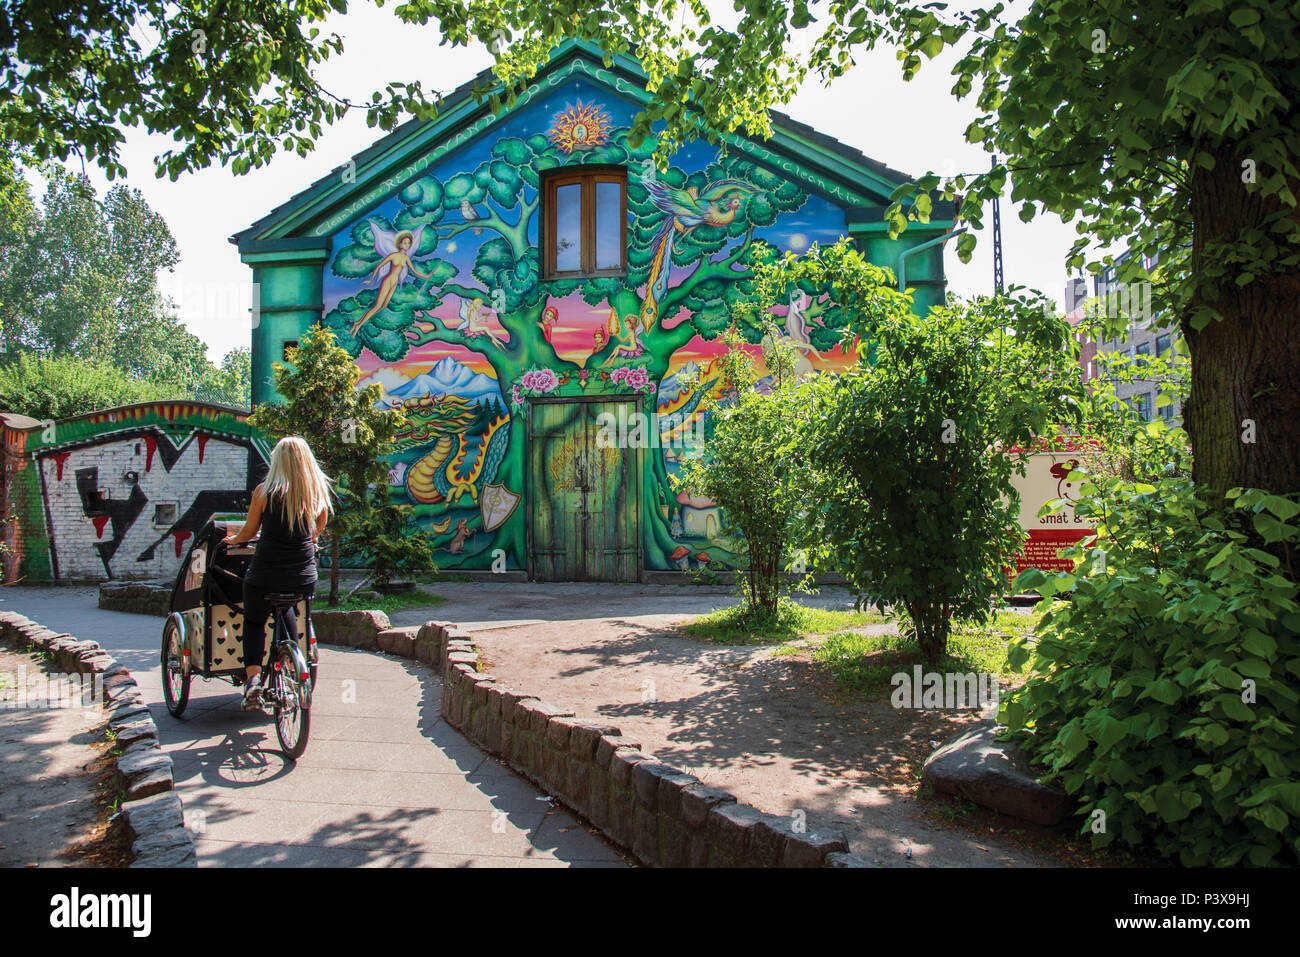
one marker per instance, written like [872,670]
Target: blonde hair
[295,476]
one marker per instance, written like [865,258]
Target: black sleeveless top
[282,548]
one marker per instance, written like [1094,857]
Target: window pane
[609,228]
[1162,345]
[568,228]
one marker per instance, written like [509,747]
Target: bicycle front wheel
[292,704]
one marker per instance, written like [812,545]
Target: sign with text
[1047,477]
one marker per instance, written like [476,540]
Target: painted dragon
[456,464]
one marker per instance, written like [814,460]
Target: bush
[1163,693]
[58,388]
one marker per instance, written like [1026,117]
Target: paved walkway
[385,782]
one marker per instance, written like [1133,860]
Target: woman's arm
[320,524]
[253,522]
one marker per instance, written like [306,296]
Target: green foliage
[1164,692]
[350,438]
[754,466]
[232,82]
[57,388]
[916,507]
[741,625]
[1164,127]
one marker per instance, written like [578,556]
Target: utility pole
[997,241]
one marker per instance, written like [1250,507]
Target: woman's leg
[256,612]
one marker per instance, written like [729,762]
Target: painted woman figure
[392,269]
[624,332]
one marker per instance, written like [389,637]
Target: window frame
[587,177]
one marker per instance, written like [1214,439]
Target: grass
[860,662]
[368,601]
[736,626]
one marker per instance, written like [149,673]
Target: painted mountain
[449,377]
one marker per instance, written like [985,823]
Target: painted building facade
[522,282]
[118,493]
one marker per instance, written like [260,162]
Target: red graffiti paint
[180,541]
[203,440]
[151,446]
[100,521]
[59,459]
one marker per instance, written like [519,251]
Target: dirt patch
[57,787]
[773,730]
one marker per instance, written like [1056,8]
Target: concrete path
[47,793]
[385,782]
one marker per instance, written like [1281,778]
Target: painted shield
[497,503]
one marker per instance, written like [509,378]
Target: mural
[118,494]
[437,292]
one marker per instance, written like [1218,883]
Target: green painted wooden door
[584,495]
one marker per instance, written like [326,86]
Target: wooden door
[584,495]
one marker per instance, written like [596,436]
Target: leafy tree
[79,278]
[349,437]
[231,383]
[232,81]
[754,465]
[915,446]
[57,388]
[1164,126]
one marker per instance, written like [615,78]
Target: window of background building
[1141,353]
[585,223]
[1162,344]
[1142,403]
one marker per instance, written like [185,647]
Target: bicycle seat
[282,598]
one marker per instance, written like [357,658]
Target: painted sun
[579,128]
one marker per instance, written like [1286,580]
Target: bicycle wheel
[292,704]
[175,676]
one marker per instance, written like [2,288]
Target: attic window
[585,224]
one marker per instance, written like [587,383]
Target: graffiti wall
[439,294]
[120,492]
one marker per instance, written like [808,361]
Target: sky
[912,127]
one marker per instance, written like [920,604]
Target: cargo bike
[203,635]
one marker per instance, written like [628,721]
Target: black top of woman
[281,545]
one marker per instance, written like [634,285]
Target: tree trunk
[1243,415]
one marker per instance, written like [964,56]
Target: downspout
[902,267]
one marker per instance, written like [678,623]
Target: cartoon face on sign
[1061,471]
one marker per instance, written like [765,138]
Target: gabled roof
[307,219]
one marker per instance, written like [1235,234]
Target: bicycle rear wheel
[292,704]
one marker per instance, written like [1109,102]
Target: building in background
[1142,338]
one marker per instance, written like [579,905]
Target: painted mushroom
[703,559]
[681,557]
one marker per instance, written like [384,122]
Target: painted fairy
[624,332]
[474,319]
[395,248]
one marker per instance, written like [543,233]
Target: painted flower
[636,379]
[516,396]
[619,374]
[540,380]
[583,374]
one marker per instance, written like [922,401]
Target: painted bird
[471,214]
[715,205]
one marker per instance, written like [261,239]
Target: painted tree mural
[692,236]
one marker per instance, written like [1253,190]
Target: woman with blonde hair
[290,508]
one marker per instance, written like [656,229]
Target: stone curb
[663,816]
[151,807]
[138,597]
